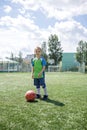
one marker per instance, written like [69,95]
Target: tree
[20,59]
[54,49]
[12,56]
[81,54]
[44,50]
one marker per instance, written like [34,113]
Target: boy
[38,73]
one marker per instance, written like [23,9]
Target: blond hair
[37,48]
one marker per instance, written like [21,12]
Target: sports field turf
[66,108]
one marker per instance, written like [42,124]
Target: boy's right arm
[32,69]
[32,72]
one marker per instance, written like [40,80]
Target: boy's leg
[44,86]
[36,83]
[42,82]
[45,97]
[38,90]
[45,91]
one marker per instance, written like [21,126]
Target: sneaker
[38,96]
[45,97]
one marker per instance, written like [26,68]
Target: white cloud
[21,32]
[28,4]
[59,9]
[7,8]
[17,34]
[70,33]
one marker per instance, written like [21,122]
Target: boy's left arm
[43,69]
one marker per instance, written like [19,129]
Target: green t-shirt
[38,65]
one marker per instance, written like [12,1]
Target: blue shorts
[39,82]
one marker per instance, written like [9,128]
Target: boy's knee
[37,86]
[44,86]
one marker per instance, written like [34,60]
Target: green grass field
[66,108]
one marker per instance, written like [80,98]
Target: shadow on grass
[57,103]
[35,101]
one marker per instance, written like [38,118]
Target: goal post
[53,68]
[82,67]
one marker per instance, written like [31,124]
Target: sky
[25,24]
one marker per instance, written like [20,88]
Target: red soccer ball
[30,95]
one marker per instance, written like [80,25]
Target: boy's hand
[40,74]
[32,76]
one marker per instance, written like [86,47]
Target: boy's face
[38,52]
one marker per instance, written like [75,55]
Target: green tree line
[52,50]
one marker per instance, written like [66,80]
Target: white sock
[38,91]
[45,91]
